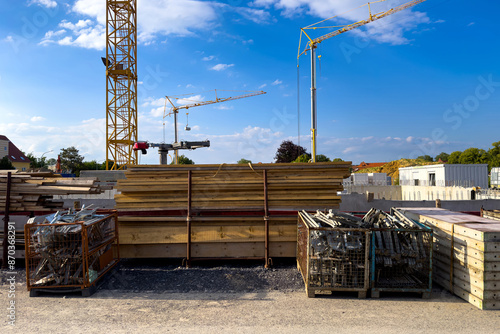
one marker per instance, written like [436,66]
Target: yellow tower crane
[121,83]
[174,110]
[312,44]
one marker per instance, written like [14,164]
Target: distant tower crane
[185,145]
[121,83]
[313,44]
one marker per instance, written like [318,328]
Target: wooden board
[164,234]
[481,279]
[462,286]
[219,250]
[232,187]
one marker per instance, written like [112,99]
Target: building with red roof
[15,156]
[365,165]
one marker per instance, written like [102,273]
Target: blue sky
[422,81]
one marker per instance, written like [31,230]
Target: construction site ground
[160,296]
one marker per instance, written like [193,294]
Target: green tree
[303,158]
[93,165]
[288,152]
[243,161]
[322,158]
[337,160]
[454,157]
[473,156]
[6,164]
[183,160]
[36,162]
[426,158]
[443,156]
[494,155]
[71,160]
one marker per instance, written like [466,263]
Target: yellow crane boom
[312,45]
[204,103]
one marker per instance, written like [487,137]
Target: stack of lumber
[33,192]
[211,237]
[294,186]
[493,214]
[227,207]
[466,258]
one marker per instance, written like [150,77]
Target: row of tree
[290,152]
[471,155]
[71,161]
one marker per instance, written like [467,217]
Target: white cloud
[83,33]
[221,67]
[224,107]
[277,82]
[189,100]
[258,16]
[155,18]
[189,86]
[157,112]
[262,86]
[89,136]
[37,118]
[471,24]
[44,3]
[8,39]
[208,58]
[387,30]
[150,101]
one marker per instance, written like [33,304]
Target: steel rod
[188,222]
[266,220]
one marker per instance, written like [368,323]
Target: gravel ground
[160,275]
[159,296]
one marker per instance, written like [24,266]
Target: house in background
[15,156]
[365,165]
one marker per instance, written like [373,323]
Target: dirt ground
[162,297]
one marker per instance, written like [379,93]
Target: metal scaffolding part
[121,83]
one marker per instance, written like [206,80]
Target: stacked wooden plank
[146,229]
[493,214]
[466,257]
[233,187]
[211,237]
[32,192]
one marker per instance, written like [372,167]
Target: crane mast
[121,83]
[313,44]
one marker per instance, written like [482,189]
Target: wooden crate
[466,254]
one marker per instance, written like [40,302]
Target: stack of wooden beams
[233,187]
[211,237]
[32,192]
[225,206]
[466,257]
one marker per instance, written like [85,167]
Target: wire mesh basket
[333,259]
[401,256]
[71,252]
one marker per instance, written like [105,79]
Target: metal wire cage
[333,259]
[401,260]
[70,255]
